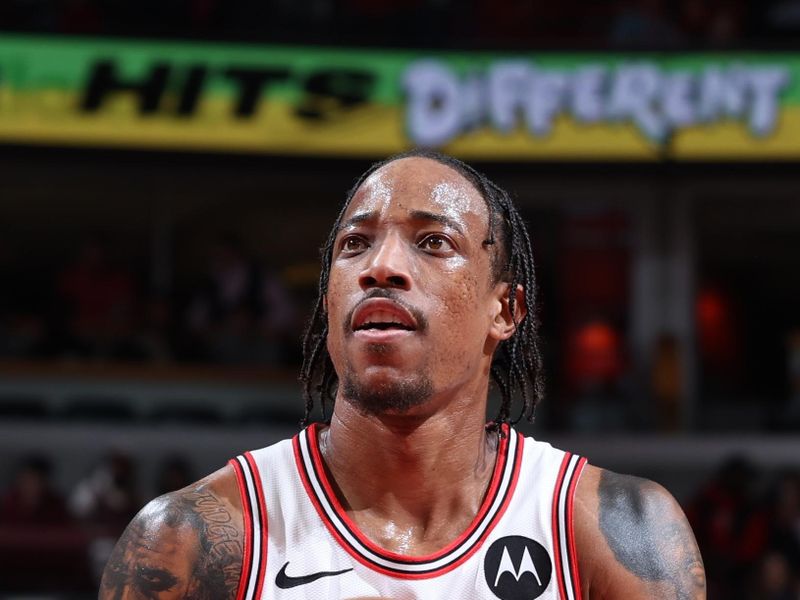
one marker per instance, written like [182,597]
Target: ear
[504,324]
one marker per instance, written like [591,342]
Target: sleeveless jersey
[300,542]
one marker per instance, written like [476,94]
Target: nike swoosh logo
[284,581]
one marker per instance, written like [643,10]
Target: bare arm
[636,541]
[186,544]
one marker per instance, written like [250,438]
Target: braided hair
[517,363]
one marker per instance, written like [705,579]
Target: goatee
[396,397]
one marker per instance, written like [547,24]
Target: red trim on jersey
[298,457]
[324,517]
[512,486]
[262,508]
[495,482]
[248,529]
[500,467]
[556,537]
[576,580]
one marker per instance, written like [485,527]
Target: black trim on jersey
[246,568]
[568,525]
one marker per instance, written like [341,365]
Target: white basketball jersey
[300,543]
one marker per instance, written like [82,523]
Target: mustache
[389,294]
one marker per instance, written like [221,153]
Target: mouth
[382,315]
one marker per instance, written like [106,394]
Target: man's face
[411,300]
[154,570]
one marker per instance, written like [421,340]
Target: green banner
[312,101]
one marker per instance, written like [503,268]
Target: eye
[436,243]
[154,580]
[352,244]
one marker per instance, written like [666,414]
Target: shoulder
[633,540]
[185,544]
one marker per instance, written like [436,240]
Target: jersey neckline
[501,487]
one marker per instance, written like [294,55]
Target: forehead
[419,184]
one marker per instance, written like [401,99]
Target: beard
[395,397]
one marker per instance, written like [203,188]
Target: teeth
[382,319]
[381,316]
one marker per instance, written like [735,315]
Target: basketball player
[426,293]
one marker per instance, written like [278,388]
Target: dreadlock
[517,363]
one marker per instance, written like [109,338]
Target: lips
[381,314]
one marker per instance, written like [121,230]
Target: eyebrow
[423,215]
[416,215]
[357,219]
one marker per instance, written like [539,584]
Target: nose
[387,265]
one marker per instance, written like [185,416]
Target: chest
[518,546]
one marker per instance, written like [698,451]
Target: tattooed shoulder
[186,544]
[649,535]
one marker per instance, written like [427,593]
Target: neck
[421,475]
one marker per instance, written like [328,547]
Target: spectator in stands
[31,499]
[98,299]
[153,337]
[785,526]
[732,527]
[241,314]
[107,498]
[667,382]
[104,502]
[41,549]
[775,579]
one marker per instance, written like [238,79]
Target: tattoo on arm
[648,536]
[185,545]
[220,538]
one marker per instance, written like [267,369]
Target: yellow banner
[481,106]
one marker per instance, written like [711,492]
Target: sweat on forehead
[420,178]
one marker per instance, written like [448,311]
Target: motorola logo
[517,568]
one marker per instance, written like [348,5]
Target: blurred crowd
[748,529]
[96,306]
[747,523]
[59,542]
[508,24]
